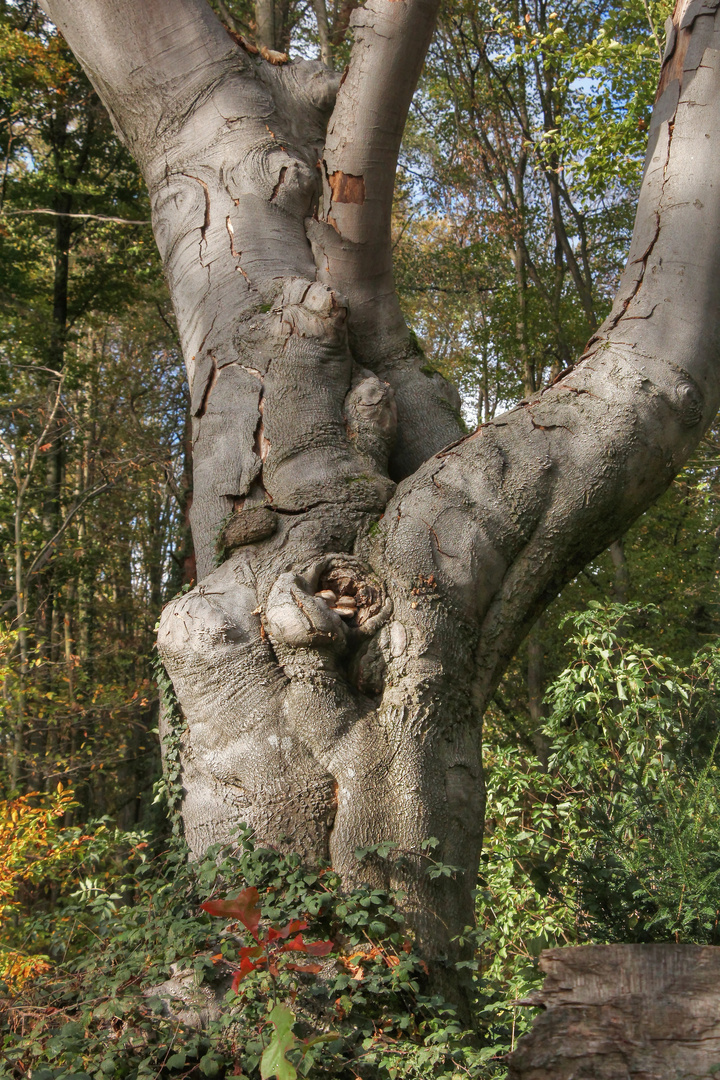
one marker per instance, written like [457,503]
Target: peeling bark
[333,670]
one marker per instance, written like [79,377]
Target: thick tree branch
[536,493]
[352,237]
[229,145]
[360,159]
[265,19]
[321,17]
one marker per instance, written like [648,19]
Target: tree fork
[334,669]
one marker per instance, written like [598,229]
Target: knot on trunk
[371,418]
[690,401]
[203,621]
[295,617]
[246,526]
[332,603]
[270,171]
[311,310]
[299,346]
[309,86]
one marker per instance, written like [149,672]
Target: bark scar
[347,188]
[206,221]
[281,181]
[262,445]
[549,427]
[212,379]
[231,233]
[437,543]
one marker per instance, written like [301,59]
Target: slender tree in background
[334,668]
[91,407]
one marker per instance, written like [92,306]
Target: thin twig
[44,555]
[91,217]
[654,31]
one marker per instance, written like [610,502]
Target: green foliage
[168,789]
[100,1009]
[88,523]
[638,734]
[274,1060]
[519,179]
[613,76]
[617,839]
[35,848]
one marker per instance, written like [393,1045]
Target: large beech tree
[328,460]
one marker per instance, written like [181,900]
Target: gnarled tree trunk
[330,724]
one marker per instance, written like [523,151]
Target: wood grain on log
[624,1012]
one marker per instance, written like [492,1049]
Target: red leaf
[291,928]
[246,966]
[315,948]
[311,969]
[245,907]
[295,945]
[319,948]
[253,951]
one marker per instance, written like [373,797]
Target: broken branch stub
[636,1012]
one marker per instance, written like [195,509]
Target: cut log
[624,1012]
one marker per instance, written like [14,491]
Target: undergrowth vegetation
[102,1008]
[113,969]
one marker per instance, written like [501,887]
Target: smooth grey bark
[334,669]
[351,237]
[265,19]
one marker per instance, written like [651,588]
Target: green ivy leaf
[273,1062]
[209,1065]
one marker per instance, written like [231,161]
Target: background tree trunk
[333,670]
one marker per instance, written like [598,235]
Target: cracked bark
[332,724]
[641,1012]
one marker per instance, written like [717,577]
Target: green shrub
[100,1010]
[618,840]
